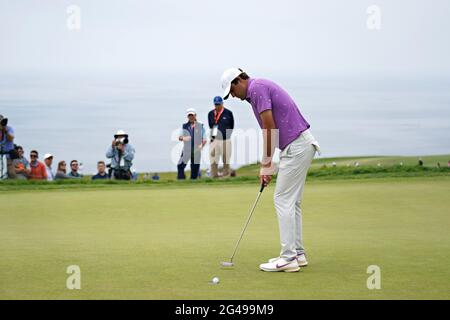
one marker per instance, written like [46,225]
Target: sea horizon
[74,116]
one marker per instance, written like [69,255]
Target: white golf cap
[191,111]
[48,155]
[228,76]
[121,133]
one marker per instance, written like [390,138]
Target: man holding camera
[7,146]
[121,154]
[221,123]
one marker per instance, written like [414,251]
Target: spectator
[7,146]
[74,170]
[101,168]
[221,123]
[155,176]
[61,172]
[21,165]
[48,160]
[448,164]
[121,154]
[37,169]
[193,136]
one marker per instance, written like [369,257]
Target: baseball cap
[48,155]
[218,100]
[191,111]
[228,76]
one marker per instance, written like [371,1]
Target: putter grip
[262,187]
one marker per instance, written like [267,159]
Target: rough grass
[369,167]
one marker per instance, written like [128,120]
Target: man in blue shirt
[221,123]
[21,165]
[101,168]
[7,146]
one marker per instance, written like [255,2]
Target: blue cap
[218,100]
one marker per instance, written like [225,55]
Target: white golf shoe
[280,265]
[301,260]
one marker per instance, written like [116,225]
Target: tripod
[3,175]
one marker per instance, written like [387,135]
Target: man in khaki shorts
[221,123]
[283,127]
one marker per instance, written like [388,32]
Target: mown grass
[166,243]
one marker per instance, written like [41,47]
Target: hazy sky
[321,36]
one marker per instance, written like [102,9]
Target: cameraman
[121,154]
[7,146]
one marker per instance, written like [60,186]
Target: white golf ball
[215,280]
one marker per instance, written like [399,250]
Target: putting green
[166,243]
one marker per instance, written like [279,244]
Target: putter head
[226,264]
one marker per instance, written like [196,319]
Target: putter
[230,263]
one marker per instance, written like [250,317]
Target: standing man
[221,123]
[7,146]
[193,136]
[48,160]
[283,127]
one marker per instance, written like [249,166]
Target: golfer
[283,127]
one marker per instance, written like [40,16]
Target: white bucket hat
[191,111]
[121,133]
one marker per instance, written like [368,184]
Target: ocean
[74,116]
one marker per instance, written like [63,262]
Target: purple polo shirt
[264,95]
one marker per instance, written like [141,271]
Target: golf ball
[215,280]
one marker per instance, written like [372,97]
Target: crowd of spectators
[120,152]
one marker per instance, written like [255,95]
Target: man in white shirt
[48,160]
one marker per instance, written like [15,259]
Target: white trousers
[295,161]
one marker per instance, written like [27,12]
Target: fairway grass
[167,243]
